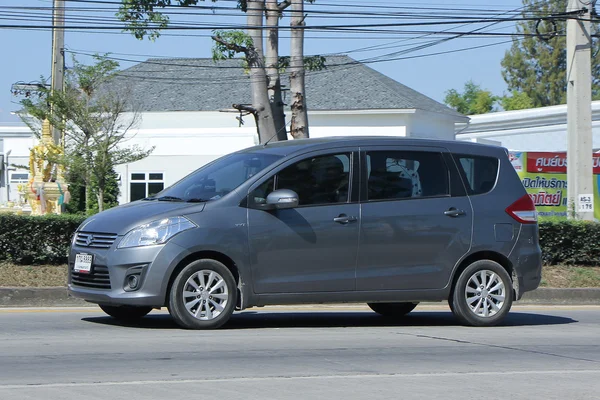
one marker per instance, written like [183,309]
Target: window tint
[479,173]
[316,180]
[405,175]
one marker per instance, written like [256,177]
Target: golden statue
[47,188]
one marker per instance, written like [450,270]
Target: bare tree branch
[284,4]
[244,107]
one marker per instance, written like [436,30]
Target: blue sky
[27,53]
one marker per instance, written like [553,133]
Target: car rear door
[416,219]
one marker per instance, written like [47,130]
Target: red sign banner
[554,163]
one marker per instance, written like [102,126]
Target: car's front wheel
[203,295]
[394,310]
[126,313]
[482,295]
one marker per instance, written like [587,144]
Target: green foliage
[96,117]
[537,67]
[516,101]
[236,41]
[311,63]
[31,240]
[143,19]
[473,100]
[77,190]
[570,242]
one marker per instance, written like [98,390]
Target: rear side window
[395,175]
[478,172]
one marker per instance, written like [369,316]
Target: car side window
[393,175]
[317,180]
[479,172]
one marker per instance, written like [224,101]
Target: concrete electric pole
[580,190]
[58,60]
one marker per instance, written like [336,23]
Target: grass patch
[562,276]
[11,275]
[32,276]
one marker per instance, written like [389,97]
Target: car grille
[96,240]
[98,279]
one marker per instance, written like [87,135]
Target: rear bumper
[526,258]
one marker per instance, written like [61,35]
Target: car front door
[312,247]
[416,219]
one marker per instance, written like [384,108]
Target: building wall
[539,129]
[18,141]
[432,125]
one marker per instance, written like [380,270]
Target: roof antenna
[276,133]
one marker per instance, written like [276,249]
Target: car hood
[121,219]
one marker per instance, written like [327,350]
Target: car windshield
[215,180]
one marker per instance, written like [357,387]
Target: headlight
[156,232]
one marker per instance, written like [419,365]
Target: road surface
[301,353]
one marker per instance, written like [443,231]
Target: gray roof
[200,84]
[287,147]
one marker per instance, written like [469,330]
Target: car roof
[288,147]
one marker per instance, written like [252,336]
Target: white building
[186,114]
[15,143]
[538,129]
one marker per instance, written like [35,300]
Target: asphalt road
[303,353]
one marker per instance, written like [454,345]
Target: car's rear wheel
[203,295]
[126,313]
[394,310]
[482,294]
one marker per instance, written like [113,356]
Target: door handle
[344,219]
[454,212]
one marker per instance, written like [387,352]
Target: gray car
[386,221]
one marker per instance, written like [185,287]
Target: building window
[143,185]
[19,177]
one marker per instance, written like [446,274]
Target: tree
[96,118]
[263,62]
[516,101]
[536,65]
[230,42]
[473,100]
[299,123]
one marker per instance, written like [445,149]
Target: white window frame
[146,181]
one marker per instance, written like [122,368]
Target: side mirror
[282,199]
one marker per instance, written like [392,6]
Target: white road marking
[303,377]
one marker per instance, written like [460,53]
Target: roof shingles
[200,84]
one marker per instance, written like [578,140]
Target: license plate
[83,263]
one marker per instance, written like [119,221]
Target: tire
[394,310]
[471,302]
[203,295]
[126,313]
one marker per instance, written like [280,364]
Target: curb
[58,297]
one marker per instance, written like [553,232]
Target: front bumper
[107,283]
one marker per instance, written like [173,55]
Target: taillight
[523,210]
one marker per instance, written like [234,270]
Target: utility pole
[580,189]
[58,60]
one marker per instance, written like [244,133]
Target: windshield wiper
[196,200]
[149,198]
[169,198]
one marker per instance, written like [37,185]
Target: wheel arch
[211,255]
[484,255]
